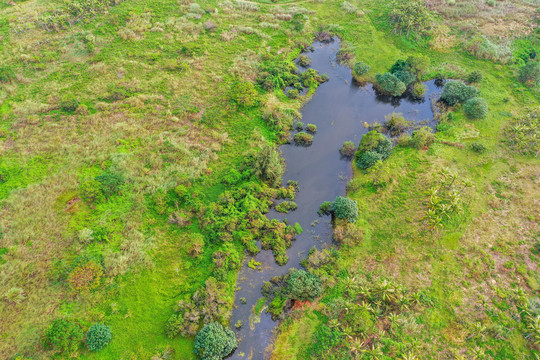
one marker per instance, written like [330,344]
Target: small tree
[361,68]
[98,336]
[268,165]
[304,286]
[405,77]
[63,336]
[476,108]
[214,342]
[345,208]
[455,92]
[530,74]
[389,84]
[377,142]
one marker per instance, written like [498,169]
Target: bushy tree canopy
[214,342]
[390,84]
[98,336]
[63,336]
[361,68]
[476,108]
[268,165]
[304,286]
[410,15]
[455,92]
[345,208]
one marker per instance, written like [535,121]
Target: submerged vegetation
[138,162]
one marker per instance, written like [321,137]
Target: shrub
[6,74]
[475,108]
[196,247]
[293,93]
[69,103]
[418,90]
[325,208]
[90,191]
[15,295]
[365,160]
[299,126]
[478,148]
[98,336]
[396,124]
[214,342]
[347,149]
[405,77]
[530,74]
[268,166]
[304,286]
[304,61]
[361,68]
[345,208]
[410,15]
[110,183]
[418,64]
[475,77]
[422,138]
[311,128]
[455,92]
[63,336]
[389,84]
[303,138]
[85,277]
[244,93]
[377,142]
[399,65]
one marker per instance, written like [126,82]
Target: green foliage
[373,147]
[286,206]
[325,208]
[304,286]
[63,336]
[303,139]
[478,148]
[6,74]
[345,208]
[455,92]
[405,77]
[311,128]
[390,84]
[293,93]
[396,124]
[73,12]
[90,191]
[475,108]
[530,73]
[418,64]
[299,126]
[361,68]
[15,295]
[523,133]
[422,138]
[399,65]
[418,90]
[277,74]
[98,336]
[367,159]
[410,15]
[85,277]
[304,61]
[110,183]
[214,342]
[244,93]
[268,165]
[69,103]
[475,77]
[347,149]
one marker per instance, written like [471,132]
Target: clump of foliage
[312,128]
[345,208]
[268,165]
[293,93]
[85,277]
[226,259]
[455,92]
[475,77]
[303,139]
[244,93]
[325,208]
[214,342]
[475,108]
[98,336]
[478,148]
[73,12]
[529,74]
[410,15]
[361,68]
[304,286]
[277,74]
[69,103]
[396,124]
[299,126]
[422,138]
[63,336]
[373,147]
[304,61]
[523,134]
[418,90]
[347,149]
[286,206]
[390,84]
[110,183]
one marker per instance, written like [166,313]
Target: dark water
[339,108]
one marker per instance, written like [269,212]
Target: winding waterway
[339,108]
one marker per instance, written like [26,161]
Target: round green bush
[418,90]
[457,92]
[361,68]
[348,149]
[293,93]
[377,142]
[365,160]
[405,77]
[475,108]
[63,336]
[98,336]
[69,103]
[244,93]
[422,138]
[312,128]
[345,208]
[214,342]
[389,84]
[304,286]
[475,77]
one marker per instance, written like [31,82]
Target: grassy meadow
[128,131]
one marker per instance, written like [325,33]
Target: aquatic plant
[418,90]
[347,149]
[311,128]
[396,124]
[303,138]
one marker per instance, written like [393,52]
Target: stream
[339,108]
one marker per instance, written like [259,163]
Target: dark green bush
[110,183]
[389,84]
[365,160]
[63,336]
[268,165]
[422,138]
[303,138]
[98,336]
[405,77]
[361,68]
[478,148]
[475,108]
[214,342]
[69,103]
[244,93]
[304,286]
[6,74]
[475,77]
[345,208]
[347,149]
[455,92]
[375,141]
[530,74]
